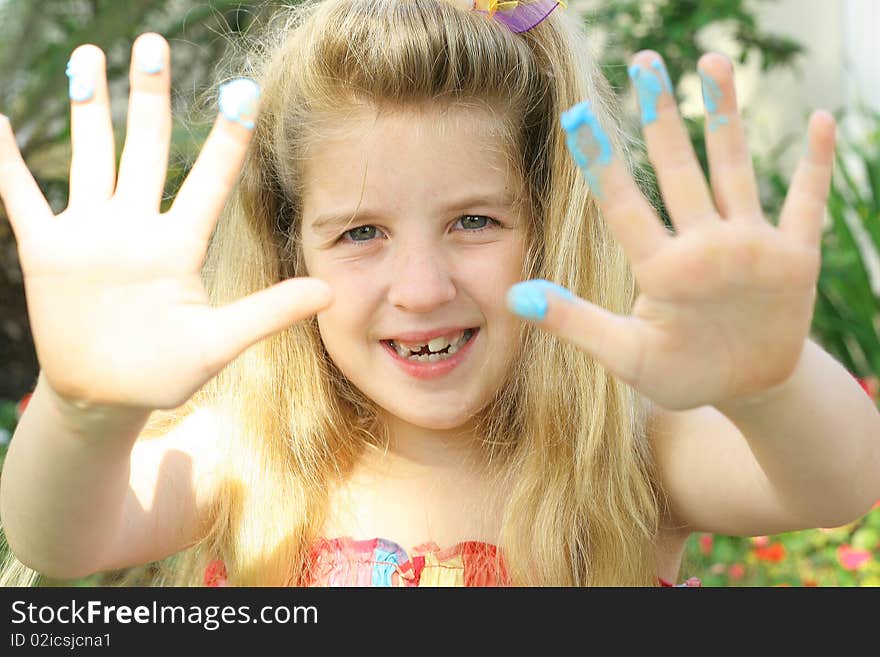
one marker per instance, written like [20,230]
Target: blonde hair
[569,439]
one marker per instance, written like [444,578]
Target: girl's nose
[420,281]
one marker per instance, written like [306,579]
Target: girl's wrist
[746,406]
[88,420]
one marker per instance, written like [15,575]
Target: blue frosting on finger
[81,85]
[238,101]
[649,86]
[587,142]
[712,96]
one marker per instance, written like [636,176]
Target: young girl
[333,383]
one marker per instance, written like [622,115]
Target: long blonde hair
[585,501]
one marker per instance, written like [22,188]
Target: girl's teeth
[456,342]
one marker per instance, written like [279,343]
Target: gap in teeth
[441,348]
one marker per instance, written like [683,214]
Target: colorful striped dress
[380,562]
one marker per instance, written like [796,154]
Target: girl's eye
[472,223]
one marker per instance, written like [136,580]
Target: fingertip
[824,122]
[715,63]
[239,101]
[645,57]
[85,73]
[88,51]
[321,290]
[530,299]
[7,136]
[147,36]
[822,133]
[151,53]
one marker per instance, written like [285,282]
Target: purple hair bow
[518,16]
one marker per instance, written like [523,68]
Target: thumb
[248,320]
[611,339]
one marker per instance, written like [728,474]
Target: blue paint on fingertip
[712,96]
[529,298]
[648,89]
[238,101]
[661,71]
[150,56]
[81,85]
[587,142]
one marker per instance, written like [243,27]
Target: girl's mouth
[437,349]
[436,358]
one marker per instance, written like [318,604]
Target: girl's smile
[435,358]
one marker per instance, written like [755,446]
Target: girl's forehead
[455,143]
[466,121]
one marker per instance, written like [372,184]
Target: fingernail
[150,56]
[81,77]
[529,298]
[587,142]
[238,101]
[711,98]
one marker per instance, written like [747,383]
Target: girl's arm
[137,329]
[805,454]
[78,496]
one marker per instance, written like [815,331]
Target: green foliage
[37,38]
[847,315]
[846,319]
[673,28]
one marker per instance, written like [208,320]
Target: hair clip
[517,16]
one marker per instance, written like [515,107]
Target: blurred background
[791,56]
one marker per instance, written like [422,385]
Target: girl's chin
[433,422]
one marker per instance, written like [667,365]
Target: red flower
[810,582]
[852,558]
[869,385]
[736,571]
[760,541]
[215,574]
[706,541]
[22,404]
[774,553]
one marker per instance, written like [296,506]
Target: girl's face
[431,253]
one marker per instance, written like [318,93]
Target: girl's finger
[144,161]
[93,159]
[203,193]
[804,209]
[245,322]
[630,216]
[24,202]
[670,151]
[615,341]
[730,164]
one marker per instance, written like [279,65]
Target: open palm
[725,304]
[117,307]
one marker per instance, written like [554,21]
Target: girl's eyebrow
[329,221]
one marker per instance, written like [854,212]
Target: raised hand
[117,307]
[725,304]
